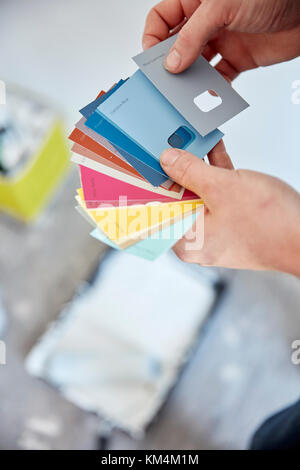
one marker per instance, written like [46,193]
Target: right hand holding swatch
[226,27]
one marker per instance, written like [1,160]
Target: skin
[209,27]
[244,228]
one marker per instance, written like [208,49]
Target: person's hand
[252,220]
[226,27]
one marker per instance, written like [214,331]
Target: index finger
[164,17]
[219,157]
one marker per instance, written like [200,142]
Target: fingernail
[169,157]
[173,60]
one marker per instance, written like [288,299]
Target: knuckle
[220,11]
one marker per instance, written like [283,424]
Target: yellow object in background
[25,194]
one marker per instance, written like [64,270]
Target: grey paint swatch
[182,89]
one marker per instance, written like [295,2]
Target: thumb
[209,17]
[194,174]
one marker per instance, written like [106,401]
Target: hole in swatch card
[208,101]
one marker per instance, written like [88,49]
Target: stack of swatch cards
[130,201]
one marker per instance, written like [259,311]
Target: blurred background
[133,355]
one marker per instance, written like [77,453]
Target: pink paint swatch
[100,190]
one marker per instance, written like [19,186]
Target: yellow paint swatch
[129,224]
